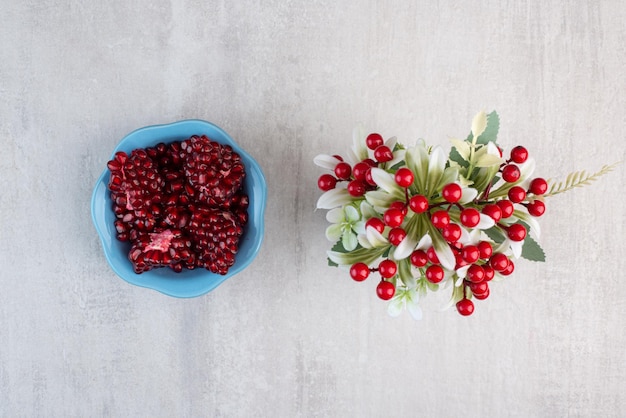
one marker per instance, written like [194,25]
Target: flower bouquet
[423,219]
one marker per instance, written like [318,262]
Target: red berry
[339,157]
[519,154]
[489,272]
[387,268]
[356,188]
[370,162]
[399,205]
[396,235]
[326,182]
[493,211]
[510,173]
[418,203]
[419,258]
[470,217]
[393,217]
[475,273]
[359,170]
[382,154]
[451,232]
[516,232]
[343,171]
[434,274]
[536,208]
[432,255]
[452,192]
[368,178]
[465,307]
[375,223]
[517,194]
[485,250]
[538,186]
[479,288]
[499,261]
[482,296]
[373,141]
[509,269]
[459,262]
[440,219]
[359,271]
[506,207]
[404,177]
[470,253]
[385,290]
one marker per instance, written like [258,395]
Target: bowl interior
[188,283]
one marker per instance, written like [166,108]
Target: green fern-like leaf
[577,179]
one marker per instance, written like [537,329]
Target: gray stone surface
[289,79]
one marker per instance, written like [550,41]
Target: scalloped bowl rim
[189,283]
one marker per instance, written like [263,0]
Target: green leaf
[532,251]
[495,234]
[457,158]
[331,263]
[490,134]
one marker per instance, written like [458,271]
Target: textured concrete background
[289,79]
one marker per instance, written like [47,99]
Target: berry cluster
[179,205]
[427,221]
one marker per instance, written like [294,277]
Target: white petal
[396,306]
[503,247]
[493,149]
[534,225]
[526,169]
[458,282]
[375,238]
[379,199]
[462,272]
[465,236]
[415,310]
[485,222]
[359,149]
[335,216]
[436,161]
[334,198]
[367,211]
[385,180]
[405,248]
[516,247]
[349,240]
[391,142]
[352,215]
[333,232]
[425,243]
[326,161]
[445,256]
[359,227]
[397,157]
[468,195]
[362,238]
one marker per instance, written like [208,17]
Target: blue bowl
[188,283]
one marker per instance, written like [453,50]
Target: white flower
[405,298]
[346,223]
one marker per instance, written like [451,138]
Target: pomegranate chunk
[180,205]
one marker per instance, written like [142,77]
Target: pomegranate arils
[213,170]
[180,205]
[215,235]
